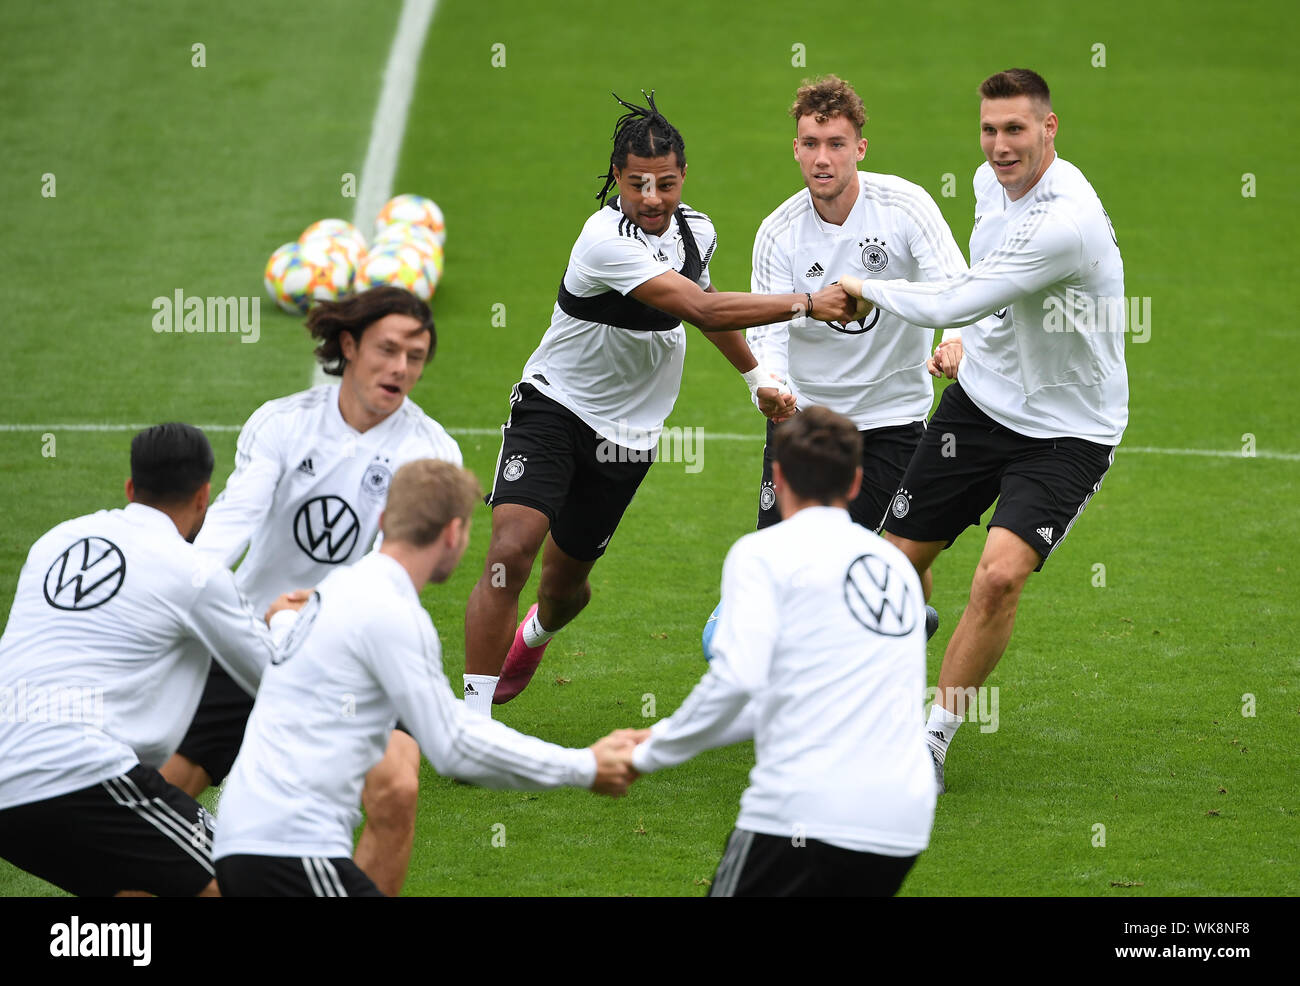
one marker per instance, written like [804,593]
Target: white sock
[479,689]
[945,724]
[535,634]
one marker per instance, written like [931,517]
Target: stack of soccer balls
[331,259]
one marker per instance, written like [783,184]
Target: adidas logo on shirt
[1046,534]
[305,466]
[816,270]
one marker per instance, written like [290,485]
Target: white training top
[1048,265]
[823,626]
[308,489]
[620,382]
[358,659]
[872,370]
[107,650]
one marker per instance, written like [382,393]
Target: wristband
[760,376]
[808,312]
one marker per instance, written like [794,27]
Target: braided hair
[644,132]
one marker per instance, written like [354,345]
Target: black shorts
[967,460]
[132,832]
[292,876]
[217,730]
[756,865]
[885,455]
[554,462]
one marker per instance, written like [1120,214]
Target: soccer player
[101,667]
[846,221]
[1041,398]
[821,635]
[587,414]
[363,653]
[311,476]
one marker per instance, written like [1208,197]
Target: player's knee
[390,797]
[567,593]
[997,582]
[510,559]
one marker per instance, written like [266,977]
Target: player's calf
[390,797]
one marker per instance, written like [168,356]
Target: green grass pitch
[1158,709]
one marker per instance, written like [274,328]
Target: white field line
[713,436]
[389,125]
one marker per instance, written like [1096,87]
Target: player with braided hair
[587,413]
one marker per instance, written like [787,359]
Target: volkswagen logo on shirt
[86,575]
[878,597]
[326,529]
[864,324]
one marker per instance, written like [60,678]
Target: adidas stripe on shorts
[292,876]
[132,832]
[967,460]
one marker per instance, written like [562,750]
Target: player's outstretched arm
[239,641]
[720,311]
[1048,254]
[613,753]
[703,722]
[474,748]
[240,508]
[766,387]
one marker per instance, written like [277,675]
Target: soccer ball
[710,628]
[298,274]
[340,232]
[400,265]
[416,210]
[420,237]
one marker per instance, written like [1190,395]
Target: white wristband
[761,376]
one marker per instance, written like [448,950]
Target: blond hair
[424,497]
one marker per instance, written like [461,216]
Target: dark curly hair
[642,131]
[354,314]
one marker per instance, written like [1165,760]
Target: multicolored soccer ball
[419,237]
[416,210]
[340,232]
[401,265]
[298,274]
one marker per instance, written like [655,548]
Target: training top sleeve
[932,244]
[706,238]
[234,635]
[620,261]
[771,274]
[1046,248]
[249,492]
[408,665]
[742,647]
